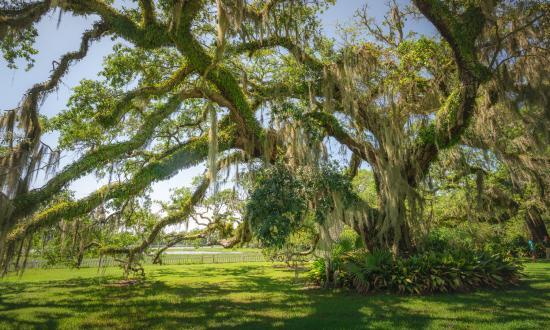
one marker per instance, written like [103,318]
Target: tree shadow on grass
[249,298]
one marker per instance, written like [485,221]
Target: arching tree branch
[111,118]
[365,150]
[193,152]
[221,77]
[283,42]
[26,204]
[22,17]
[461,32]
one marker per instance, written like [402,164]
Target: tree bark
[535,224]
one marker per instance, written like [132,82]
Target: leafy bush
[516,246]
[282,198]
[478,238]
[295,245]
[276,206]
[317,271]
[348,241]
[427,272]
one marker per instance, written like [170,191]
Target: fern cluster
[424,273]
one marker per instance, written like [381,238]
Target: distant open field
[253,296]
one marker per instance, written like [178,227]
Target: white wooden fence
[169,259]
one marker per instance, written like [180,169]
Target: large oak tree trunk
[394,195]
[535,224]
[396,239]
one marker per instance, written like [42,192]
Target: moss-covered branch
[27,154]
[301,55]
[27,203]
[174,217]
[154,35]
[147,12]
[180,215]
[111,118]
[189,154]
[241,112]
[173,240]
[333,128]
[22,17]
[34,96]
[461,32]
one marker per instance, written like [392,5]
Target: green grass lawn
[254,296]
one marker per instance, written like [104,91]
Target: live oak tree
[396,103]
[209,71]
[192,44]
[423,102]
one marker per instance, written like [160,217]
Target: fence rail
[169,259]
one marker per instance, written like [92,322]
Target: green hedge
[428,272]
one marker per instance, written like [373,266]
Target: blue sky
[53,42]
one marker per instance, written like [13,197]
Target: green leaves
[75,123]
[126,64]
[281,198]
[276,206]
[18,44]
[430,272]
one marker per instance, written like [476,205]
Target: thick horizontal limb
[182,214]
[151,36]
[26,204]
[189,154]
[283,42]
[110,119]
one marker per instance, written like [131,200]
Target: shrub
[495,242]
[347,242]
[317,271]
[515,246]
[427,272]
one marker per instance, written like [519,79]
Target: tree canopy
[254,86]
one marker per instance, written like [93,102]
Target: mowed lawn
[254,296]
